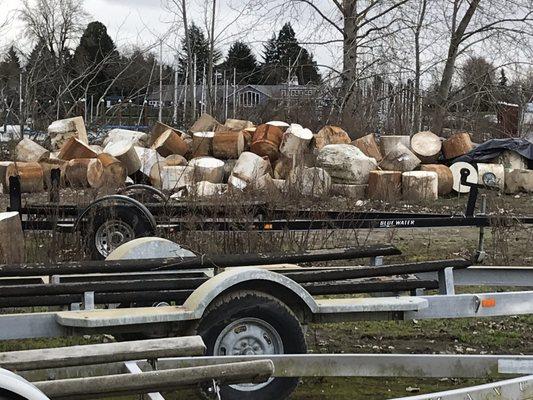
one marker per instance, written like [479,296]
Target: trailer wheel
[111,227]
[252,323]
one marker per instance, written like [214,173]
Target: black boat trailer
[113,220]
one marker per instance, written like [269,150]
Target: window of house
[249,99]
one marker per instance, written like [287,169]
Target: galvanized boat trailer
[252,313]
[141,210]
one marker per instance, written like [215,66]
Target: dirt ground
[510,245]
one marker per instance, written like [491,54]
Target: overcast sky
[142,21]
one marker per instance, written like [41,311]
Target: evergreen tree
[287,46]
[10,71]
[478,84]
[40,72]
[270,52]
[200,49]
[503,78]
[271,73]
[94,57]
[241,59]
[283,56]
[307,70]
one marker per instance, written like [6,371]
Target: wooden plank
[352,287]
[227,260]
[99,298]
[156,381]
[369,272]
[102,353]
[138,285]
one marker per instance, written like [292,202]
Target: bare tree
[473,23]
[54,22]
[358,23]
[179,9]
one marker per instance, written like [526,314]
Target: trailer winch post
[55,179]
[15,196]
[480,253]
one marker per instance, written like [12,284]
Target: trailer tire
[112,226]
[262,313]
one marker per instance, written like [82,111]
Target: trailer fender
[133,190]
[18,387]
[117,200]
[204,295]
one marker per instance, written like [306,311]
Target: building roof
[271,91]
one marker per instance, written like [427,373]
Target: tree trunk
[349,70]
[457,37]
[210,94]
[417,118]
[192,83]
[12,249]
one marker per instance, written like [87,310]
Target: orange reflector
[267,226]
[488,303]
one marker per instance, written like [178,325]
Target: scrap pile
[212,158]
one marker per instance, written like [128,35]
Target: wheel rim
[245,337]
[111,234]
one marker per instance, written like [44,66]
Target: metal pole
[175,115]
[58,99]
[21,112]
[161,82]
[226,94]
[185,97]
[234,91]
[92,106]
[202,105]
[85,116]
[195,77]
